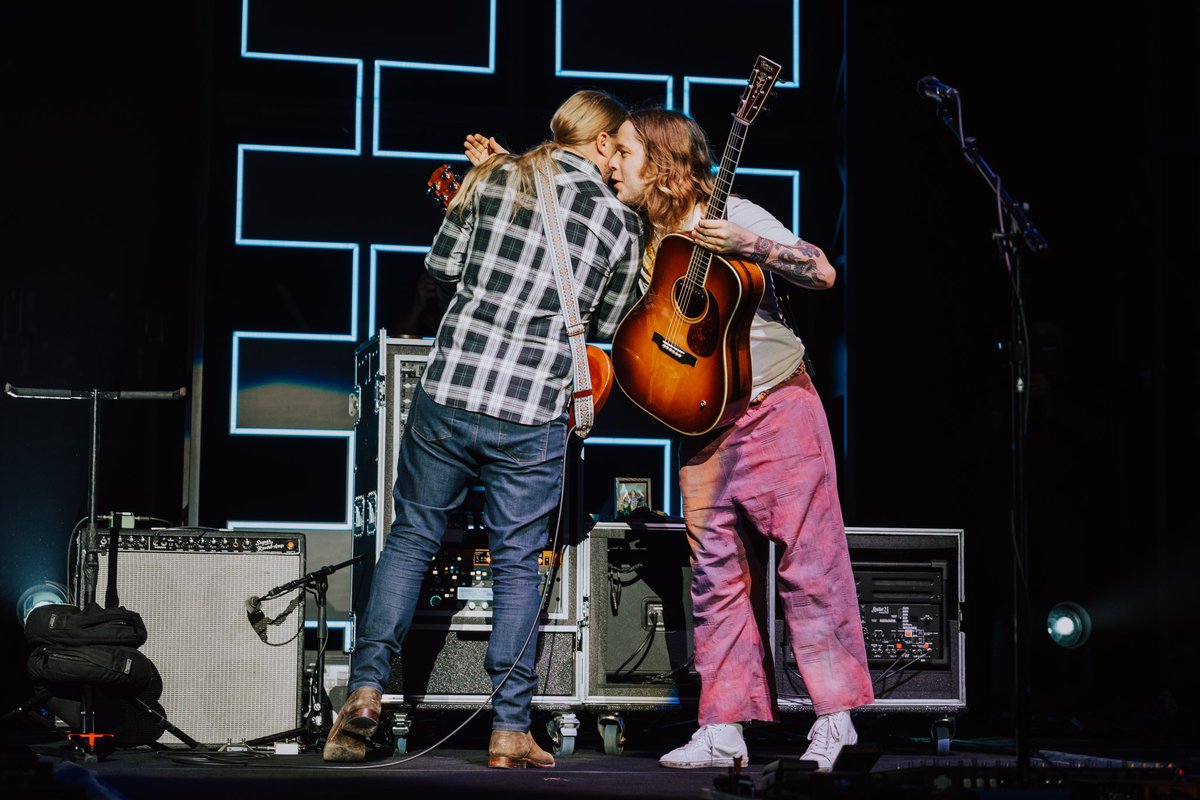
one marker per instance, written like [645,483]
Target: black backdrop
[121,125]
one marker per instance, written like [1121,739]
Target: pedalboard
[458,583]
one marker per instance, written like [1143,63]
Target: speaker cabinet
[639,619]
[910,596]
[386,374]
[221,681]
[910,591]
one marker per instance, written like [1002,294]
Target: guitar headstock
[762,80]
[442,186]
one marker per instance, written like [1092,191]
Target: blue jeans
[444,451]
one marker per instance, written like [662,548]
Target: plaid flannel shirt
[502,349]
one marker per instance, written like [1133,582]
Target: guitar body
[684,356]
[600,370]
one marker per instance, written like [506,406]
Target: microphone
[256,617]
[931,87]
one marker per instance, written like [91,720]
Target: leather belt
[758,398]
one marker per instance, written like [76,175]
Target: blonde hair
[577,122]
[677,171]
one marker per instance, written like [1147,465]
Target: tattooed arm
[801,263]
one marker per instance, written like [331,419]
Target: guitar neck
[701,260]
[726,171]
[766,72]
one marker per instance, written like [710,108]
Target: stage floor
[890,765]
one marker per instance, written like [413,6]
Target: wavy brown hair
[576,123]
[678,167]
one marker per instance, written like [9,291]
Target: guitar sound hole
[690,300]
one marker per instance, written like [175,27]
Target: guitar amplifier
[221,680]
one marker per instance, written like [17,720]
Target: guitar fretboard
[701,258]
[728,168]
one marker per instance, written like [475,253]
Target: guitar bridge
[674,351]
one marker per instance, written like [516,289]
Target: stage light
[1069,625]
[41,594]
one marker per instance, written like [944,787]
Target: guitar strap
[564,276]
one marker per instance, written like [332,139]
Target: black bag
[123,670]
[71,626]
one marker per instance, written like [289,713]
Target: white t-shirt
[775,352]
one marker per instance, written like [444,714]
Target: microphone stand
[91,560]
[317,714]
[1014,229]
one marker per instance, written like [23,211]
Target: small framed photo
[629,495]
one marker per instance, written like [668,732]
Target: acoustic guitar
[682,353]
[442,185]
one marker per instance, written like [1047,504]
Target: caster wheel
[941,733]
[613,731]
[562,730]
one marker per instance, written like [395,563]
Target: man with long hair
[491,407]
[769,474]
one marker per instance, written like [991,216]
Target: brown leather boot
[357,720]
[514,750]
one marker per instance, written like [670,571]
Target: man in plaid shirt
[492,407]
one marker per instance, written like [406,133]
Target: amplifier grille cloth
[220,681]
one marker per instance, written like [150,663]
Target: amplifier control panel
[902,609]
[902,633]
[214,542]
[902,612]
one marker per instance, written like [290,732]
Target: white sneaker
[711,746]
[828,735]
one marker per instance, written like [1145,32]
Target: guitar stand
[85,740]
[318,713]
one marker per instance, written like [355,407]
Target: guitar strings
[698,265]
[701,259]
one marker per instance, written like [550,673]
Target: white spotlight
[1069,624]
[42,594]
